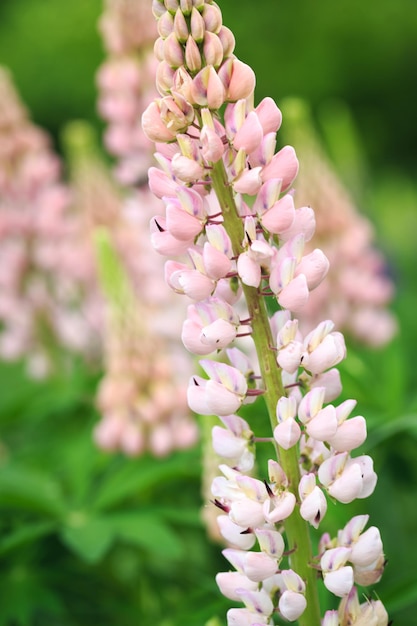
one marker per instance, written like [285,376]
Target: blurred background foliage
[87,537]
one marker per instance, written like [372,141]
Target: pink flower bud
[213,49]
[212,147]
[212,17]
[330,618]
[269,115]
[294,295]
[216,263]
[304,222]
[289,357]
[238,79]
[160,183]
[234,534]
[228,582]
[245,617]
[258,566]
[283,165]
[188,281]
[180,26]
[165,24]
[315,267]
[323,425]
[249,135]
[330,381]
[287,433]
[271,542]
[280,216]
[291,605]
[163,242]
[328,353]
[267,196]
[249,270]
[192,55]
[279,507]
[311,404]
[218,334]
[165,78]
[348,485]
[350,435]
[276,474]
[369,477]
[197,26]
[339,582]
[259,602]
[227,40]
[207,89]
[173,52]
[153,126]
[314,506]
[186,169]
[367,549]
[248,181]
[181,224]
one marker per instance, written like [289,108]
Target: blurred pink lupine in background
[140,397]
[46,267]
[358,289]
[126,82]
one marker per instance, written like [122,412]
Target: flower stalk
[296,528]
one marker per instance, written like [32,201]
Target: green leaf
[23,595]
[380,432]
[141,474]
[147,531]
[403,596]
[25,534]
[89,537]
[23,488]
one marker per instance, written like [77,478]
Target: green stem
[296,528]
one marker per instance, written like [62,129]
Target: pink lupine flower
[283,165]
[245,617]
[234,534]
[330,618]
[287,432]
[270,542]
[234,442]
[337,576]
[313,501]
[250,243]
[369,613]
[323,348]
[292,602]
[259,602]
[222,394]
[230,582]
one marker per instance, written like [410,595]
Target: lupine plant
[230,215]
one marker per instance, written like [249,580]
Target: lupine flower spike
[231,216]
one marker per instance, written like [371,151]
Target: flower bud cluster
[236,236]
[126,82]
[142,404]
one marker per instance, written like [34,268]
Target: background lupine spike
[361,288]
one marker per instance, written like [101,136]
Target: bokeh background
[355,64]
